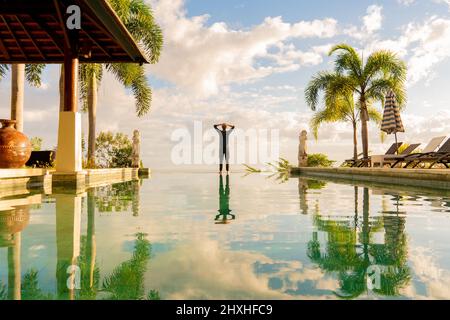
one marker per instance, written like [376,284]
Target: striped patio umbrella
[392,122]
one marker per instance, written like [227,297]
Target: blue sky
[248,62]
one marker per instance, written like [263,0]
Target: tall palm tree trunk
[364,128]
[91,244]
[17,94]
[92,110]
[355,141]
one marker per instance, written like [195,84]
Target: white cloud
[447,2]
[199,266]
[433,39]
[204,58]
[406,2]
[373,20]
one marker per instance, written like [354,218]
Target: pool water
[196,236]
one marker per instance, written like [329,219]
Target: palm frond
[324,81]
[374,114]
[347,60]
[138,18]
[133,77]
[33,74]
[4,68]
[387,65]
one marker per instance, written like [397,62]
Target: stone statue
[135,156]
[302,150]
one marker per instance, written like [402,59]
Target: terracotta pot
[14,220]
[15,148]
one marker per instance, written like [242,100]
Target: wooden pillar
[68,242]
[70,81]
[69,154]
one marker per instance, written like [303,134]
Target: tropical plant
[31,289]
[19,72]
[319,160]
[138,18]
[126,281]
[350,250]
[250,169]
[280,166]
[343,109]
[3,290]
[36,143]
[113,150]
[370,80]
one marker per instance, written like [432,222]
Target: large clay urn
[15,148]
[11,222]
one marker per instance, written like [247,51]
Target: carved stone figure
[135,157]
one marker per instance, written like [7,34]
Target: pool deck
[434,178]
[49,181]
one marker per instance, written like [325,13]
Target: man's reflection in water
[224,215]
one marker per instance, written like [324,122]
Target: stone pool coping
[429,178]
[50,181]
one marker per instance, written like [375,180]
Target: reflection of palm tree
[136,203]
[90,273]
[350,254]
[224,202]
[126,282]
[394,253]
[3,292]
[31,289]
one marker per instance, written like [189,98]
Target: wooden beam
[62,25]
[50,32]
[4,50]
[31,38]
[97,44]
[14,37]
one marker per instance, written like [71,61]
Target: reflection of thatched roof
[14,221]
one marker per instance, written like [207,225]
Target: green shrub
[319,160]
[113,150]
[36,143]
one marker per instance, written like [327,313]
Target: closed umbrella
[392,122]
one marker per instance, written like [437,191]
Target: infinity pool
[196,236]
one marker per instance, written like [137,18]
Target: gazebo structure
[65,32]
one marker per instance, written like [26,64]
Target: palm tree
[369,80]
[19,72]
[138,19]
[126,282]
[350,249]
[343,109]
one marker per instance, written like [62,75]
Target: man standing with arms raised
[224,144]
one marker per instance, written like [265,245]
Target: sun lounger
[351,162]
[441,156]
[367,162]
[430,147]
[394,159]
